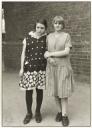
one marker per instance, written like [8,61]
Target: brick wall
[80,59]
[20,18]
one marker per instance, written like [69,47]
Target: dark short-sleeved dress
[34,64]
[59,78]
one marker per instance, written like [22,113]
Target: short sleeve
[24,41]
[68,41]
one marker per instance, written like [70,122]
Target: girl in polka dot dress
[33,67]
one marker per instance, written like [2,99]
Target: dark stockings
[29,100]
[39,99]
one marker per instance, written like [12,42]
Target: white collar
[32,33]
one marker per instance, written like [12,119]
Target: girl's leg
[65,120]
[29,100]
[29,106]
[59,106]
[64,102]
[58,103]
[39,100]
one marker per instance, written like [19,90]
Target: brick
[20,18]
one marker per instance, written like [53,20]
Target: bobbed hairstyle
[41,21]
[59,19]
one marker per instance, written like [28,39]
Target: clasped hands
[48,56]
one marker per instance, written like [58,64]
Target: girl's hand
[21,72]
[51,61]
[47,54]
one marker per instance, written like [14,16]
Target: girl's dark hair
[42,21]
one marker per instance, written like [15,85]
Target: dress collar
[32,33]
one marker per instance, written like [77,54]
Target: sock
[64,106]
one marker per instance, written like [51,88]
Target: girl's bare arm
[57,53]
[23,54]
[60,53]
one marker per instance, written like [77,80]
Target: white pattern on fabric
[32,80]
[35,63]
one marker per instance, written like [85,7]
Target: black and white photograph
[46,63]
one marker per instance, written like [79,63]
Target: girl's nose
[57,24]
[39,30]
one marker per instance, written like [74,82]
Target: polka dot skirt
[31,80]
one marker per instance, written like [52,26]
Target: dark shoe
[59,117]
[65,121]
[27,118]
[38,117]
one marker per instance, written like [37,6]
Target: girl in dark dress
[33,67]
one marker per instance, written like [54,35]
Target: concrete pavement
[14,107]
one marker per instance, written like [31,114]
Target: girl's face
[40,29]
[58,26]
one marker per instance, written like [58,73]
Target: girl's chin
[58,30]
[39,34]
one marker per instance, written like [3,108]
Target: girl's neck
[38,35]
[58,32]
